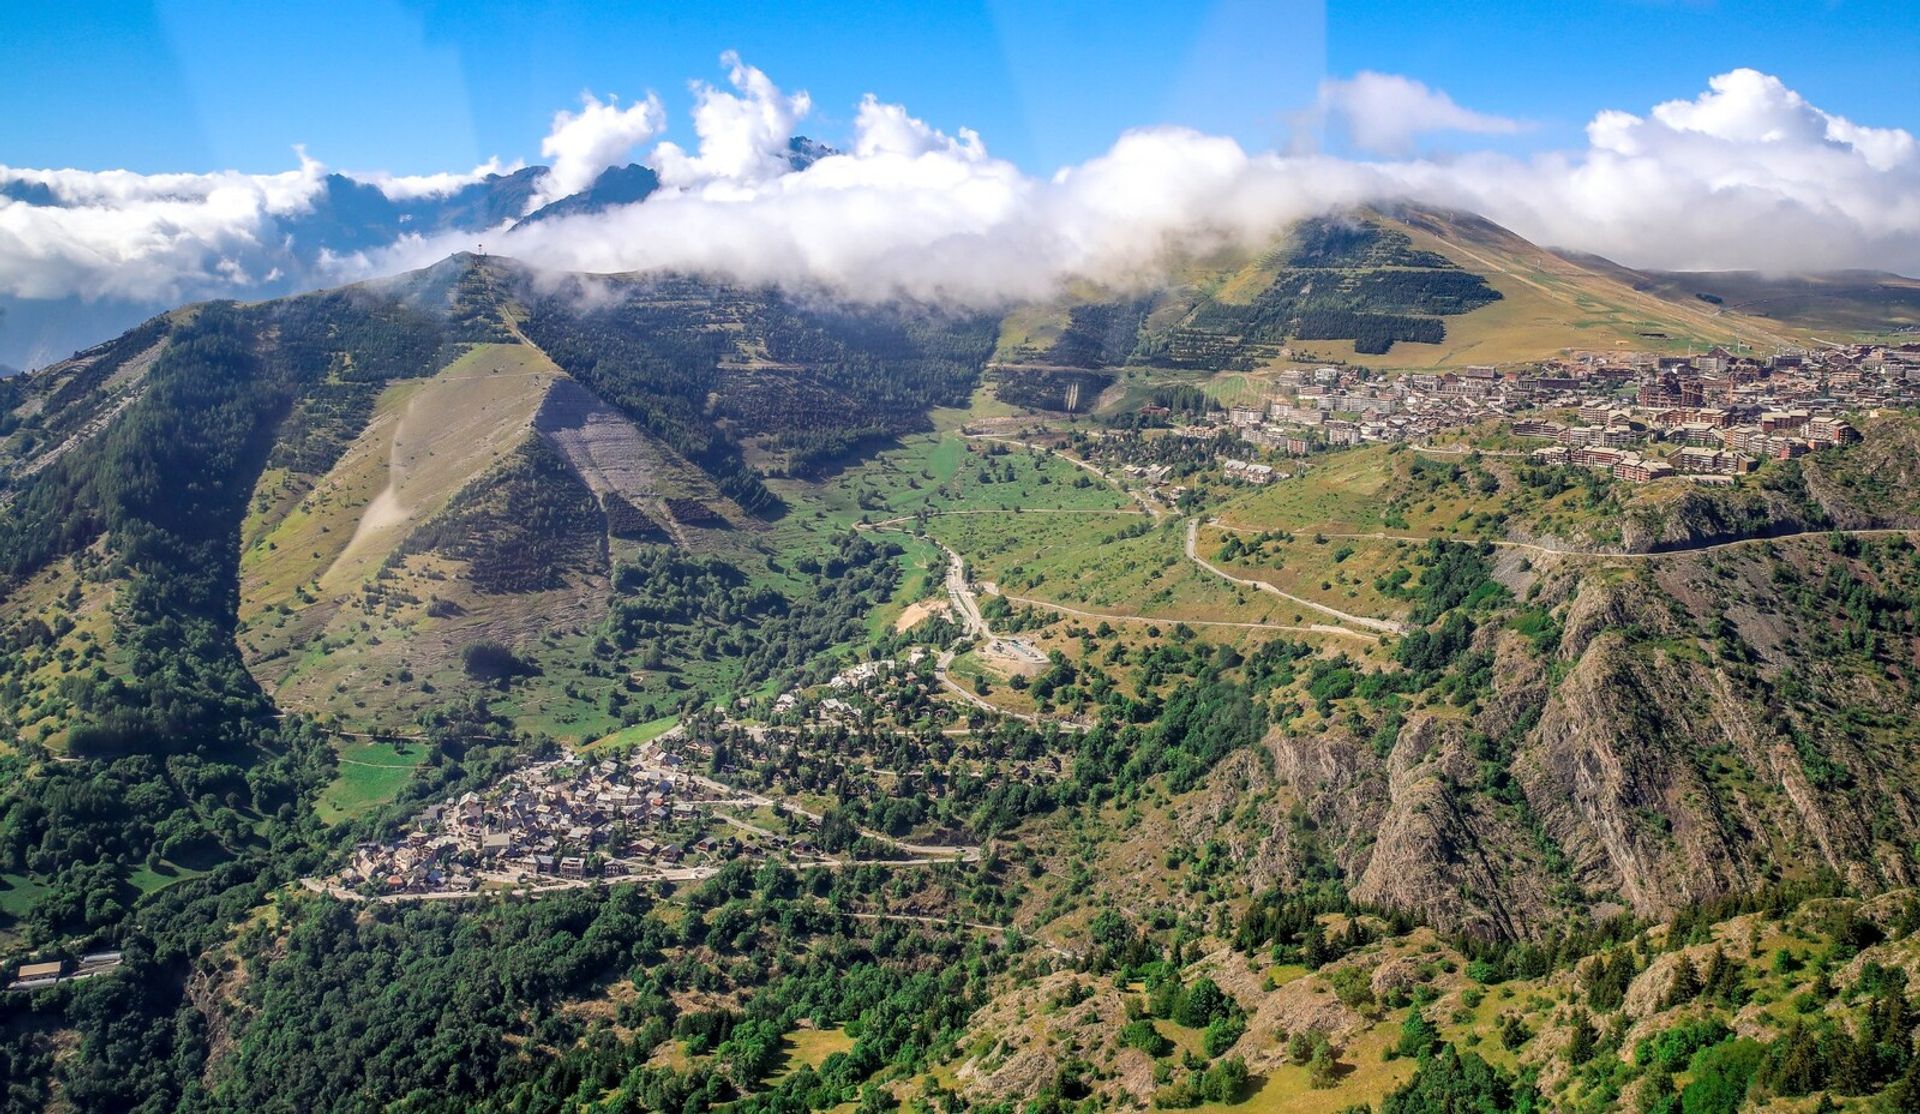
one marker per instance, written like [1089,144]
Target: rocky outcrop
[1872,484]
[1687,518]
[1665,781]
[1454,858]
[1647,763]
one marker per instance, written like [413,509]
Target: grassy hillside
[1427,288]
[1838,304]
[1551,303]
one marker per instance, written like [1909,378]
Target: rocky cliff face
[1693,734]
[1874,485]
[1455,858]
[1702,516]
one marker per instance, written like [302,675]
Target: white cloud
[743,135]
[1385,113]
[414,187]
[924,216]
[584,143]
[147,237]
[1745,175]
[886,129]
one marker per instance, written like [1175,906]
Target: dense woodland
[821,382]
[525,526]
[674,608]
[1051,389]
[1352,281]
[1100,335]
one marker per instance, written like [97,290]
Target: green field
[17,895]
[148,880]
[632,736]
[809,1048]
[371,774]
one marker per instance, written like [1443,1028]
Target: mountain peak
[616,185]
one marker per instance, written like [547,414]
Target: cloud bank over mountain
[1747,174]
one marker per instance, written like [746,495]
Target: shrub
[487,660]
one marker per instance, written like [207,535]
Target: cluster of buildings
[44,973]
[1332,406]
[1248,472]
[571,818]
[1720,412]
[1336,406]
[1699,441]
[832,706]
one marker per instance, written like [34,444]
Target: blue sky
[414,86]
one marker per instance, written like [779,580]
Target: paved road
[961,593]
[967,604]
[341,893]
[1436,450]
[667,874]
[1385,626]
